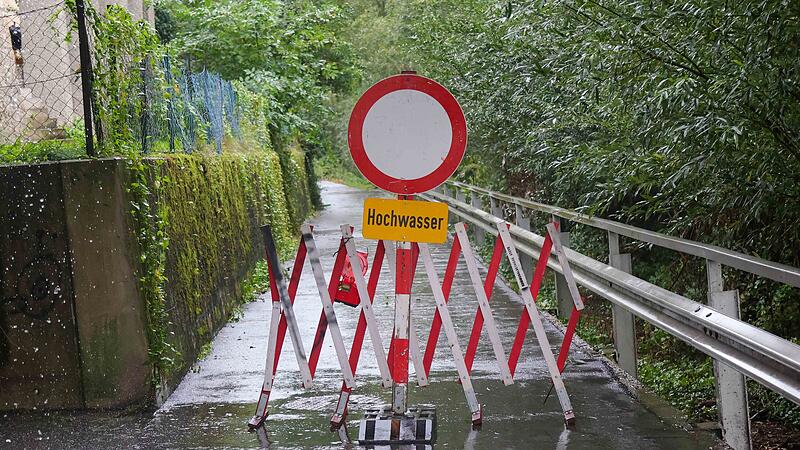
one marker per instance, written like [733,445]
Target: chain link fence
[40,90]
[172,109]
[184,106]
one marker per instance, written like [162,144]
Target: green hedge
[296,180]
[204,218]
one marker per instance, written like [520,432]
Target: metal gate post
[563,297]
[451,217]
[480,235]
[524,222]
[624,321]
[732,409]
[459,196]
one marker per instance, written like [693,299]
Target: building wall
[44,95]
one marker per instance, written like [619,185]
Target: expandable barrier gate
[395,366]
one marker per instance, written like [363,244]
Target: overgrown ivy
[151,217]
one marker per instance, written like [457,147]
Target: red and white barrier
[404,344]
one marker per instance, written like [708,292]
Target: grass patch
[257,283]
[36,152]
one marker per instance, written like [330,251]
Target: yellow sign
[405,220]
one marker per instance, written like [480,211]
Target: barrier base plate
[380,426]
[256,421]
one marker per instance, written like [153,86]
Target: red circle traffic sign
[407,134]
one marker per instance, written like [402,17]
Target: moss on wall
[212,208]
[296,180]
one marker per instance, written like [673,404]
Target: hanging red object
[347,292]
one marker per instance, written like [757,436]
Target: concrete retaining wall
[73,322]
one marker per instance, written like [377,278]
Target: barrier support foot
[477,419]
[380,426]
[256,421]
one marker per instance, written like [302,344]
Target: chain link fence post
[86,75]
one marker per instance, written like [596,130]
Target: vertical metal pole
[563,296]
[624,322]
[145,105]
[402,311]
[480,235]
[732,409]
[86,75]
[524,222]
[460,196]
[171,119]
[402,324]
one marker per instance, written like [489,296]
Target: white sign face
[407,134]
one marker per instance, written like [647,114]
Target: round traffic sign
[407,134]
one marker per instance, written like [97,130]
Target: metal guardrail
[754,352]
[768,269]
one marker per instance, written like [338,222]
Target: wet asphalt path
[211,406]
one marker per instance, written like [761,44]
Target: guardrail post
[451,218]
[563,297]
[524,222]
[458,195]
[624,327]
[732,409]
[480,235]
[497,208]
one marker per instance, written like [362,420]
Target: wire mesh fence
[187,106]
[169,108]
[40,86]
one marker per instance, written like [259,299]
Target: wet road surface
[211,406]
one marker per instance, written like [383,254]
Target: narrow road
[211,406]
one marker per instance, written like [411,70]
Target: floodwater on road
[211,406]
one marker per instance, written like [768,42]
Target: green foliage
[295,179]
[686,382]
[691,127]
[767,405]
[289,53]
[330,167]
[150,217]
[257,283]
[197,220]
[124,53]
[35,152]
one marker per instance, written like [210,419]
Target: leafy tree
[678,116]
[289,52]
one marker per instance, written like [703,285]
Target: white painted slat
[390,249]
[564,261]
[366,306]
[538,328]
[416,354]
[327,306]
[450,332]
[483,302]
[272,344]
[291,321]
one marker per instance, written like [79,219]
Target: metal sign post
[407,135]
